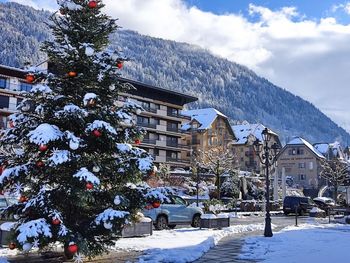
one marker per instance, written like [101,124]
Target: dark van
[302,203]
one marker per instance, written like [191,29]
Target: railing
[173,129]
[176,160]
[17,87]
[153,110]
[176,145]
[149,141]
[147,125]
[178,115]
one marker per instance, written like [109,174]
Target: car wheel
[196,221]
[171,226]
[161,222]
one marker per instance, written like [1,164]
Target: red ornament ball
[73,249]
[152,173]
[89,186]
[92,4]
[56,221]
[30,78]
[40,164]
[137,141]
[12,246]
[120,64]
[43,147]
[156,204]
[72,74]
[97,133]
[62,11]
[12,125]
[23,199]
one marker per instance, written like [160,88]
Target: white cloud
[308,57]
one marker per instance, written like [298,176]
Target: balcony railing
[176,160]
[149,141]
[147,125]
[173,129]
[177,145]
[149,109]
[178,115]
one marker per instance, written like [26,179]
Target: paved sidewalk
[228,250]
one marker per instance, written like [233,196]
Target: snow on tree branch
[33,229]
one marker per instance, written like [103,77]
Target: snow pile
[315,243]
[84,175]
[45,133]
[316,210]
[180,245]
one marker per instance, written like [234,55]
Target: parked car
[175,211]
[324,203]
[302,203]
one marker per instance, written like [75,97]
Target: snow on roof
[205,117]
[301,141]
[330,150]
[242,132]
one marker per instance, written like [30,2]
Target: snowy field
[180,245]
[306,243]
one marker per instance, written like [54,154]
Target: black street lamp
[267,156]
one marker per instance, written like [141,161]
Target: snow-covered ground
[306,243]
[180,245]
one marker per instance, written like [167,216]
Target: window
[25,86]
[144,104]
[171,155]
[173,111]
[142,120]
[311,166]
[4,102]
[302,177]
[302,165]
[172,126]
[300,151]
[2,83]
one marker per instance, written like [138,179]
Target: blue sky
[300,45]
[313,9]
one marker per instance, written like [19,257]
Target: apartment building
[301,161]
[207,129]
[161,117]
[246,134]
[12,81]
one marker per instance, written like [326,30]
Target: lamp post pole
[268,229]
[267,156]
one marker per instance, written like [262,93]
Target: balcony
[173,129]
[176,160]
[178,115]
[147,125]
[149,109]
[149,141]
[177,145]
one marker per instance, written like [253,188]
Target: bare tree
[335,172]
[217,162]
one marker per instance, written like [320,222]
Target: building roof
[243,131]
[330,150]
[205,118]
[142,89]
[301,141]
[157,93]
[12,72]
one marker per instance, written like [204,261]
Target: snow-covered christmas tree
[70,158]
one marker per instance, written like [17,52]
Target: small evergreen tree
[68,152]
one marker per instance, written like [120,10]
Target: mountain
[229,87]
